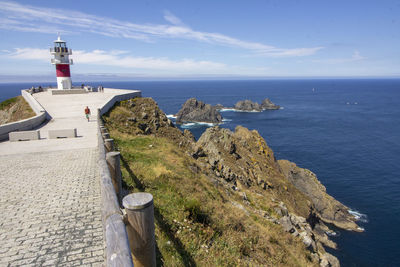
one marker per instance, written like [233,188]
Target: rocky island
[197,111]
[224,199]
[267,104]
[250,106]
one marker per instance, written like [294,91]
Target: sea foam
[171,116]
[359,216]
[236,110]
[190,125]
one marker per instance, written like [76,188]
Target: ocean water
[346,131]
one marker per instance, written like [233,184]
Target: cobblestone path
[50,212]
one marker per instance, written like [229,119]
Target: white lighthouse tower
[61,60]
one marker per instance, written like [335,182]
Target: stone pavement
[50,209]
[50,200]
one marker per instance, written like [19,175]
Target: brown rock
[328,209]
[197,111]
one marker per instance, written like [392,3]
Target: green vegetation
[5,105]
[15,109]
[197,223]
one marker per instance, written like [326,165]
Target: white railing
[57,61]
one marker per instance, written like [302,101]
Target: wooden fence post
[139,208]
[113,162]
[109,144]
[103,129]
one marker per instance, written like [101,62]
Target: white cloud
[355,57]
[38,19]
[31,54]
[171,18]
[123,60]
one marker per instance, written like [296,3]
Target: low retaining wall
[117,98]
[32,102]
[27,124]
[68,91]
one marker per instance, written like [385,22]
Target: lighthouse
[61,59]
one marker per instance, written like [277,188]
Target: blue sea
[347,131]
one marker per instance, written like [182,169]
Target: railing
[117,244]
[64,50]
[57,61]
[137,237]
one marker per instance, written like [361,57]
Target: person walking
[87,112]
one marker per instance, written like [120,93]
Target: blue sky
[202,39]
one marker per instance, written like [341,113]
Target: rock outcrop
[267,104]
[142,116]
[197,111]
[247,105]
[329,209]
[243,159]
[250,106]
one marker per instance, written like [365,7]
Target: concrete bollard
[113,162]
[139,208]
[106,136]
[103,129]
[109,144]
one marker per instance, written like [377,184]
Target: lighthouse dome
[59,40]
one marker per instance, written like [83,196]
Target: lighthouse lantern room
[61,59]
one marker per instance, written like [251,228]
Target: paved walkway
[50,209]
[50,202]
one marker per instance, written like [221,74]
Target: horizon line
[221,78]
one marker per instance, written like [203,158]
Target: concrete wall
[117,98]
[68,91]
[32,102]
[26,124]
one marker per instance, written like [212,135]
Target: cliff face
[142,116]
[329,209]
[244,159]
[229,189]
[197,111]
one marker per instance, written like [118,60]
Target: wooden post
[103,129]
[109,144]
[106,136]
[140,211]
[113,162]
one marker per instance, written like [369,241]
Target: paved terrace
[50,201]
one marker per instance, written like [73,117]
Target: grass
[15,109]
[5,105]
[196,223]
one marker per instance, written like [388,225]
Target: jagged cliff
[225,199]
[197,111]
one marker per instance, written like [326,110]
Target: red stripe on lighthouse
[63,70]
